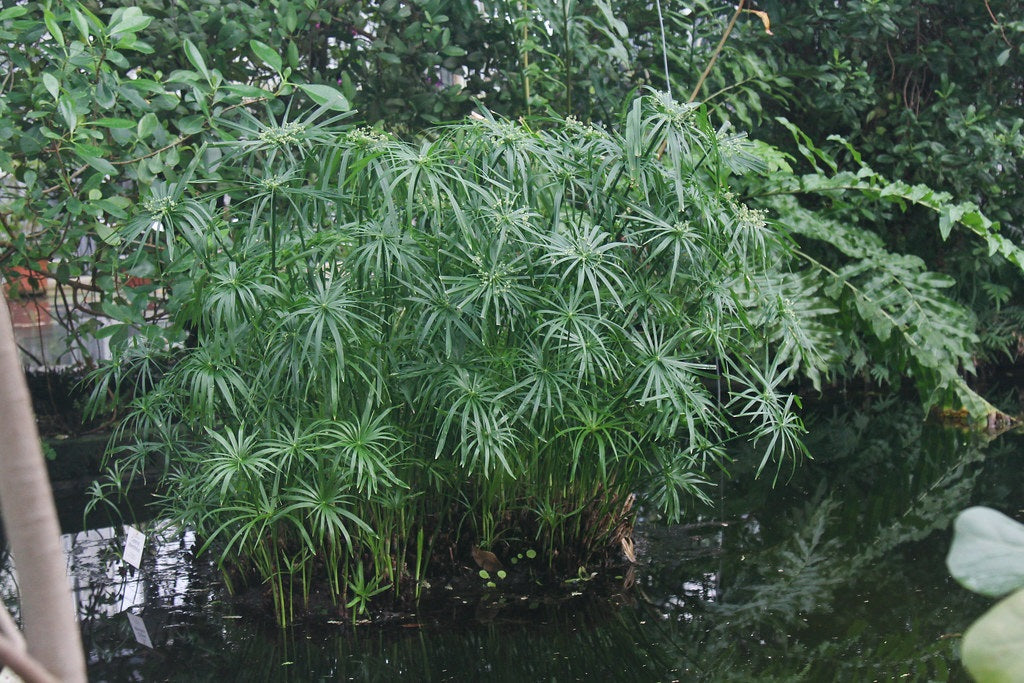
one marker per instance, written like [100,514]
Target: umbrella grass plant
[379,353]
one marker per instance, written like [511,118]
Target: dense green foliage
[92,116]
[928,92]
[502,329]
[350,343]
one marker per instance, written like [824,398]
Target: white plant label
[139,629]
[133,546]
[8,676]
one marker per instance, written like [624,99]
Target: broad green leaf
[53,27]
[130,42]
[67,111]
[52,85]
[99,163]
[113,123]
[116,311]
[244,90]
[81,23]
[190,125]
[267,54]
[128,20]
[105,96]
[145,85]
[195,57]
[147,125]
[291,20]
[112,208]
[325,96]
[987,553]
[87,150]
[293,54]
[108,234]
[13,12]
[993,647]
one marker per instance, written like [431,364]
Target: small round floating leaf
[502,574]
[514,560]
[491,584]
[987,553]
[991,648]
[484,574]
[531,553]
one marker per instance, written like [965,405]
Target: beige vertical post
[30,522]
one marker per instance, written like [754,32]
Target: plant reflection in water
[838,574]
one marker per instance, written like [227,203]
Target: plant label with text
[133,545]
[139,629]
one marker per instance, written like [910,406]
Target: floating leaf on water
[531,553]
[991,649]
[987,553]
[502,574]
[484,574]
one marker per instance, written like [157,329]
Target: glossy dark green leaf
[128,20]
[267,55]
[147,125]
[52,85]
[325,96]
[53,27]
[195,57]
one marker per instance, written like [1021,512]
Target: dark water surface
[836,573]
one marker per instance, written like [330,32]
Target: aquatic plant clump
[494,336]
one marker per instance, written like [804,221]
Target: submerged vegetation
[359,344]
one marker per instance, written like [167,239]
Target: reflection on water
[120,608]
[104,585]
[837,574]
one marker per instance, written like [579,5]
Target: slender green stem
[718,51]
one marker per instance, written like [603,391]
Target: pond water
[835,573]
